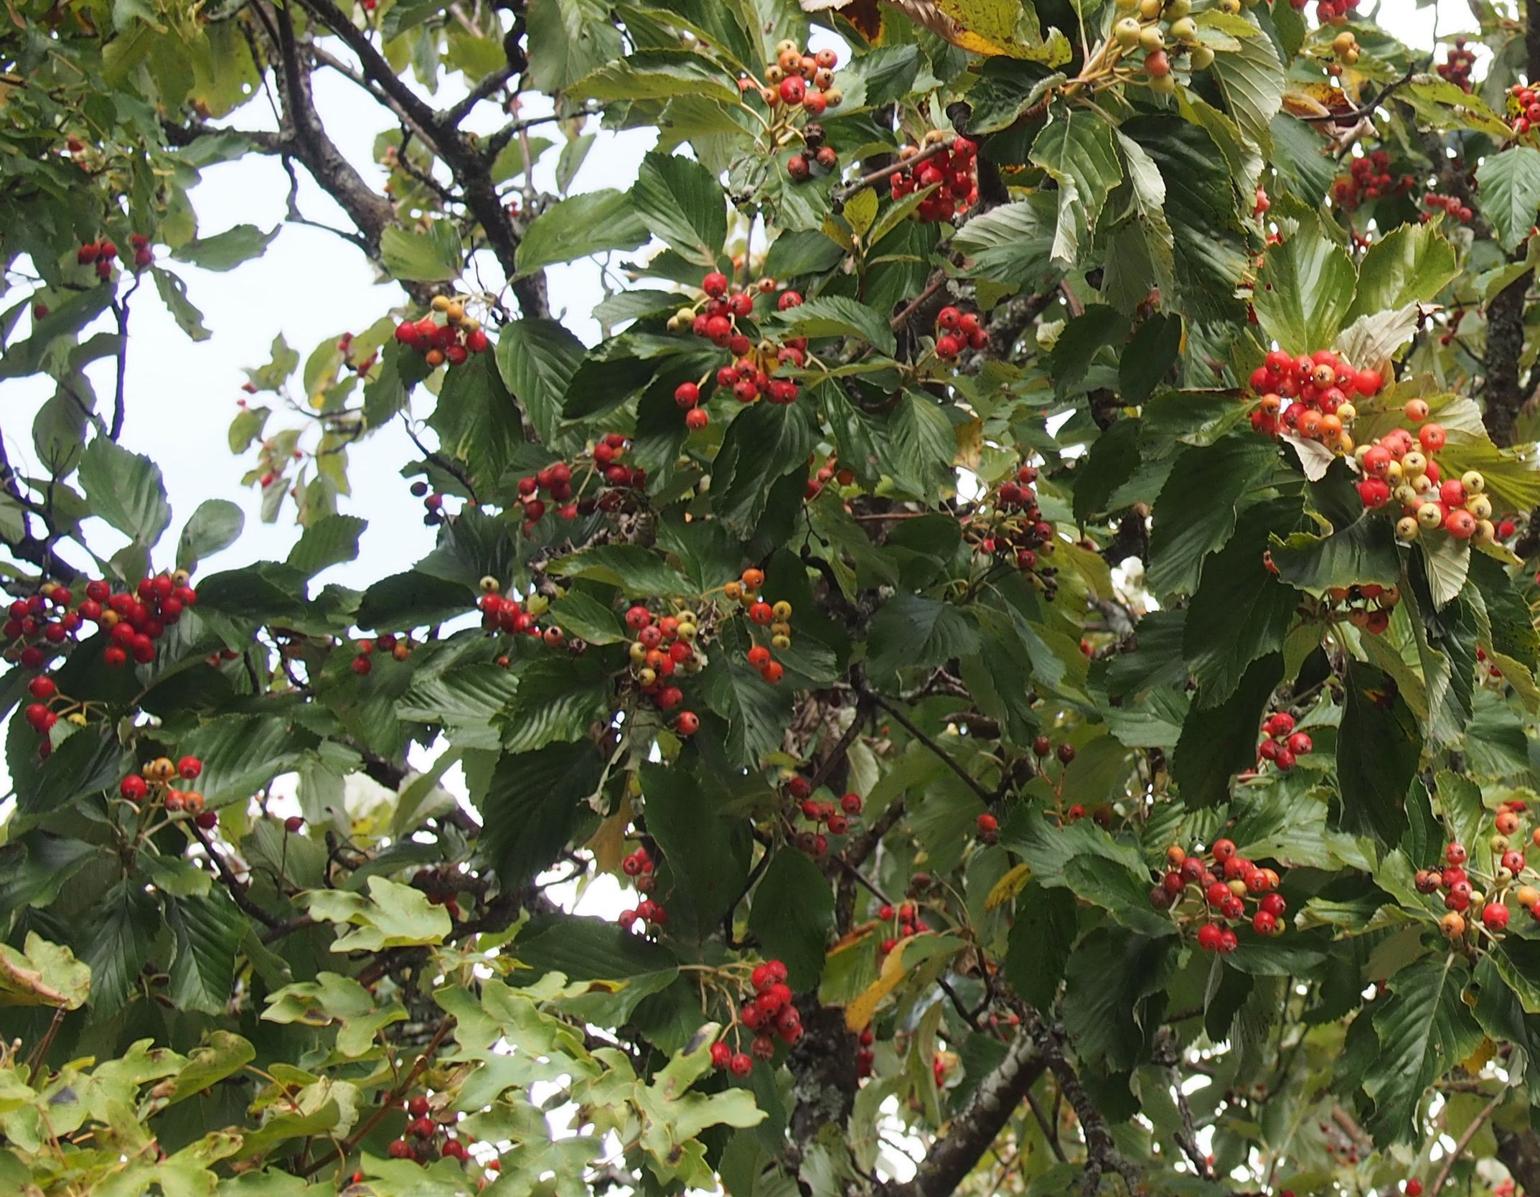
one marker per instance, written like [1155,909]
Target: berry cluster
[1219,885]
[1366,606]
[824,816]
[1147,27]
[37,628]
[425,1140]
[1457,64]
[665,646]
[1309,396]
[1368,178]
[752,373]
[1523,108]
[957,330]
[775,617]
[1329,12]
[561,485]
[1397,467]
[1281,744]
[830,471]
[151,787]
[101,254]
[1012,527]
[1345,47]
[1458,876]
[640,866]
[453,341]
[800,82]
[865,1057]
[432,503]
[948,167]
[398,647]
[518,616]
[904,921]
[1450,205]
[770,1014]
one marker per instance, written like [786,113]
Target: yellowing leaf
[1478,1059]
[908,955]
[1008,886]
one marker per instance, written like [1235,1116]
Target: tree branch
[908,725]
[964,1142]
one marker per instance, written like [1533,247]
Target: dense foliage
[1029,599]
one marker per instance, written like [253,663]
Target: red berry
[714,284]
[740,1064]
[189,767]
[293,824]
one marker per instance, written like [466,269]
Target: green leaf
[1509,187]
[537,359]
[1305,290]
[330,540]
[792,916]
[125,489]
[1005,90]
[681,203]
[1151,354]
[226,250]
[705,851]
[1364,551]
[1012,243]
[1409,265]
[1218,742]
[567,40]
[119,933]
[836,316]
[762,445]
[1078,150]
[1110,973]
[924,445]
[637,571]
[1252,80]
[240,754]
[658,75]
[581,225]
[392,916]
[1038,948]
[42,974]
[912,631]
[431,257]
[533,805]
[215,525]
[208,935]
[1424,1030]
[1378,746]
[1195,513]
[86,763]
[1240,611]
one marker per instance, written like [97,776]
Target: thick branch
[969,1136]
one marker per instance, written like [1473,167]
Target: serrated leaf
[215,525]
[1305,290]
[392,916]
[681,203]
[537,359]
[208,933]
[1078,150]
[1509,186]
[125,489]
[837,316]
[1410,265]
[1252,79]
[226,250]
[581,225]
[431,257]
[1378,746]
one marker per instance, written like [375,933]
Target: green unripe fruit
[1184,30]
[1151,38]
[1201,58]
[1127,33]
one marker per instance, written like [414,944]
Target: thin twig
[1368,106]
[1463,1142]
[842,194]
[908,725]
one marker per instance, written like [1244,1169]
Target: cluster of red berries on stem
[432,503]
[903,922]
[770,1014]
[1402,469]
[830,471]
[956,330]
[1013,529]
[775,618]
[503,613]
[1523,108]
[1510,867]
[1329,12]
[1281,744]
[1457,64]
[865,1057]
[101,254]
[950,167]
[39,628]
[1450,205]
[1218,889]
[152,786]
[1310,396]
[753,372]
[425,1140]
[1369,178]
[825,816]
[564,486]
[800,83]
[665,647]
[639,865]
[452,341]
[388,643]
